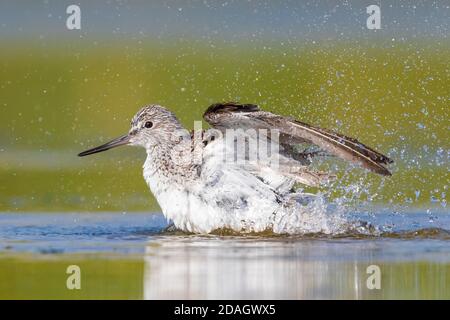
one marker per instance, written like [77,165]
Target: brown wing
[223,116]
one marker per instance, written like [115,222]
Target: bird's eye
[148,124]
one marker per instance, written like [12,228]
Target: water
[132,256]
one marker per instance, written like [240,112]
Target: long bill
[120,141]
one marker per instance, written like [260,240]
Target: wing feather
[231,115]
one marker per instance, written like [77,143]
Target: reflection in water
[127,256]
[192,268]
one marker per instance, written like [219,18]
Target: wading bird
[201,189]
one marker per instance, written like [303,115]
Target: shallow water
[131,256]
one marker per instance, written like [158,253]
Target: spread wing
[224,116]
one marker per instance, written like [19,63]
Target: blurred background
[63,91]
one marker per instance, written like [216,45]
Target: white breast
[221,197]
[179,203]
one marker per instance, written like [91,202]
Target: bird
[200,188]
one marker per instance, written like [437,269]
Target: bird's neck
[170,164]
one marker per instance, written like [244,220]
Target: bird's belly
[189,212]
[199,211]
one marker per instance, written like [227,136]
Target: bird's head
[153,125]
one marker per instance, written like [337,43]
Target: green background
[57,100]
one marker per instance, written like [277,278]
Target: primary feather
[292,132]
